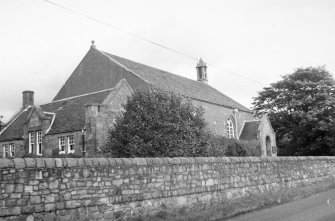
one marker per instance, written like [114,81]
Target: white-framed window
[61,145]
[39,142]
[11,150]
[70,144]
[31,136]
[230,128]
[83,147]
[5,151]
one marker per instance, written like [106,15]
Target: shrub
[220,146]
[158,124]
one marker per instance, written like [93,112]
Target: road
[318,207]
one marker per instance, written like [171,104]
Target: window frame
[31,138]
[38,142]
[69,144]
[11,149]
[230,127]
[5,153]
[61,145]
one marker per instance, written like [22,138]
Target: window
[31,142]
[39,143]
[230,128]
[11,150]
[61,144]
[5,152]
[70,144]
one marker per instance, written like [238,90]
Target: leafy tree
[301,108]
[158,124]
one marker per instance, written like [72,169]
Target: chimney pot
[27,98]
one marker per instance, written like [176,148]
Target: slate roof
[250,129]
[14,130]
[70,115]
[187,87]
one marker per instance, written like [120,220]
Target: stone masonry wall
[217,117]
[116,189]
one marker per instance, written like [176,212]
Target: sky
[250,44]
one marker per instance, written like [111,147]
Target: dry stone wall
[116,189]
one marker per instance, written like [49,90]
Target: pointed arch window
[230,128]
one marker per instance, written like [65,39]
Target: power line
[148,40]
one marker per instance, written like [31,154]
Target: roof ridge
[179,76]
[81,95]
[121,65]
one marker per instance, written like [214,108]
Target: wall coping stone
[140,161]
[119,162]
[20,163]
[30,162]
[81,162]
[64,162]
[88,161]
[112,162]
[59,162]
[6,163]
[127,161]
[49,162]
[103,162]
[96,161]
[40,162]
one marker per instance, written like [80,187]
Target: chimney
[27,98]
[202,71]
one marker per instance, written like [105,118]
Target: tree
[301,108]
[158,124]
[1,123]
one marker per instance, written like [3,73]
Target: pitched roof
[250,129]
[187,87]
[70,115]
[14,129]
[100,70]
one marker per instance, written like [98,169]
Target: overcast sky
[257,39]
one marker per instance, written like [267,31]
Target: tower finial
[201,63]
[202,71]
[93,44]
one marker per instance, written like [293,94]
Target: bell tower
[202,71]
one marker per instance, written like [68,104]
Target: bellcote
[202,71]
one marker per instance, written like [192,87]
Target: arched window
[230,128]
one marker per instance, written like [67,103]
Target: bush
[158,124]
[220,146]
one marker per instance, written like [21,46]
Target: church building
[77,120]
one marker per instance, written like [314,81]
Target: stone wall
[116,189]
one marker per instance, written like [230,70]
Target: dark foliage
[301,108]
[222,146]
[158,124]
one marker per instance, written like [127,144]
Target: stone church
[77,120]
